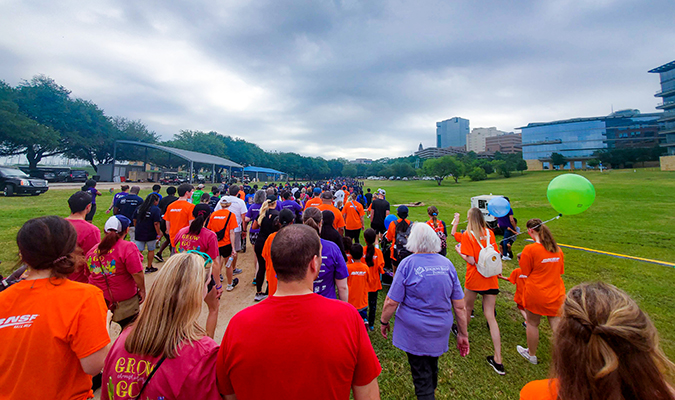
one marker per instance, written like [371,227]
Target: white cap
[117,223]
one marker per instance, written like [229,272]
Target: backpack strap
[487,234]
[221,233]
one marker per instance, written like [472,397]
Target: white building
[475,140]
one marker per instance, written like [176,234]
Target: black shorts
[225,251]
[162,228]
[378,228]
[486,292]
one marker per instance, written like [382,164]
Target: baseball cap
[286,216]
[317,190]
[200,186]
[117,223]
[225,201]
[327,195]
[381,191]
[402,210]
[271,197]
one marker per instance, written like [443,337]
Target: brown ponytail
[312,217]
[433,213]
[109,241]
[49,243]
[369,236]
[545,236]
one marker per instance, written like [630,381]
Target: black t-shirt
[369,198]
[145,228]
[379,209]
[165,202]
[128,204]
[267,227]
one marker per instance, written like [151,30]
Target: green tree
[558,160]
[503,167]
[478,174]
[593,162]
[349,170]
[521,165]
[443,167]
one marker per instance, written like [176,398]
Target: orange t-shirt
[545,289]
[352,213]
[339,222]
[458,237]
[270,274]
[374,283]
[241,194]
[470,247]
[545,389]
[179,215]
[217,222]
[46,327]
[313,202]
[520,285]
[358,284]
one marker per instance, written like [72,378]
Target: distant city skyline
[343,79]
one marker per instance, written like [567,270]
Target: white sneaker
[506,258]
[526,354]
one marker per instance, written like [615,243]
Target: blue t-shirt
[128,204]
[505,222]
[333,267]
[424,285]
[160,196]
[145,228]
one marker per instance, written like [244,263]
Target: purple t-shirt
[333,267]
[505,222]
[424,285]
[253,213]
[292,205]
[93,192]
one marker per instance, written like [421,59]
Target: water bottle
[229,262]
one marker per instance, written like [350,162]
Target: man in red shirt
[304,345]
[88,235]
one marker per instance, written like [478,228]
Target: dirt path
[230,302]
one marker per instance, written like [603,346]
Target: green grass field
[633,214]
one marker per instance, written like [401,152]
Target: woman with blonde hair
[474,239]
[543,264]
[165,353]
[606,348]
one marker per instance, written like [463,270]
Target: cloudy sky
[342,78]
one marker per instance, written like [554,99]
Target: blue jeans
[508,235]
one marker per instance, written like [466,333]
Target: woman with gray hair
[423,294]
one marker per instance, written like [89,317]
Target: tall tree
[443,167]
[558,160]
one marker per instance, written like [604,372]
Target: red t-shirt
[123,260]
[303,347]
[358,284]
[206,242]
[192,372]
[88,236]
[46,327]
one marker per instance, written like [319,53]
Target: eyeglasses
[207,258]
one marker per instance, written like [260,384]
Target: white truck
[481,203]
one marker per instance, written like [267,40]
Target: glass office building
[577,139]
[452,132]
[667,93]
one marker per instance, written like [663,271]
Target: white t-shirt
[339,196]
[238,207]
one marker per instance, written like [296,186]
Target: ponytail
[433,213]
[109,241]
[149,202]
[197,224]
[263,211]
[313,217]
[369,236]
[402,226]
[56,250]
[545,235]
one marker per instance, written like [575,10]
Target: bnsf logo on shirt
[19,321]
[358,273]
[550,260]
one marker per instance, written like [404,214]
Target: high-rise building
[435,152]
[667,93]
[509,143]
[475,141]
[452,132]
[579,138]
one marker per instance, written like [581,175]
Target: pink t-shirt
[123,260]
[189,376]
[206,242]
[88,236]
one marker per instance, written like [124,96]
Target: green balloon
[570,194]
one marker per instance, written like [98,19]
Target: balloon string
[537,226]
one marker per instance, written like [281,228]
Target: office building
[667,93]
[452,132]
[475,141]
[435,152]
[366,161]
[509,143]
[579,138]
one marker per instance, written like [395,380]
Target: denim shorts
[150,244]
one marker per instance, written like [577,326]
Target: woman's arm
[388,311]
[139,278]
[343,289]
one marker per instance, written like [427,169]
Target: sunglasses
[207,258]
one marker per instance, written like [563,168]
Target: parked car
[77,175]
[14,181]
[47,173]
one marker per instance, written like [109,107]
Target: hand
[107,211]
[455,219]
[219,292]
[108,317]
[243,234]
[141,294]
[500,276]
[211,299]
[463,345]
[458,248]
[384,329]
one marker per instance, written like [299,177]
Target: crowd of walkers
[322,252]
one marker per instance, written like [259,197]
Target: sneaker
[235,282]
[151,270]
[221,277]
[455,330]
[525,325]
[526,355]
[237,271]
[499,368]
[506,258]
[159,258]
[472,316]
[259,297]
[372,328]
[253,283]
